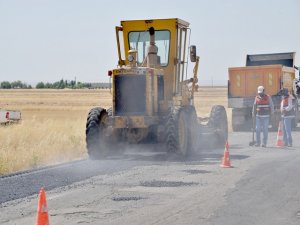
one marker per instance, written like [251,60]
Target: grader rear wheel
[177,135]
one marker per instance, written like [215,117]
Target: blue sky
[46,40]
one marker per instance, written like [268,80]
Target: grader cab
[152,95]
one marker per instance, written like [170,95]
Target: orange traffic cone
[226,159]
[42,210]
[279,142]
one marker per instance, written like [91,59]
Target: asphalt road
[23,184]
[268,194]
[146,186]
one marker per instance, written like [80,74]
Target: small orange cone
[279,142]
[226,159]
[42,210]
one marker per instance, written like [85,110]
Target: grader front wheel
[193,129]
[177,135]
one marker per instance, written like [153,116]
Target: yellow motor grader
[152,96]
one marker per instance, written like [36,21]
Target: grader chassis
[152,98]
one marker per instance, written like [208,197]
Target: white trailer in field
[9,116]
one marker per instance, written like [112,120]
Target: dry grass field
[53,124]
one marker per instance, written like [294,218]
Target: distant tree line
[14,84]
[63,84]
[56,85]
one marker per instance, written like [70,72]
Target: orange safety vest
[262,105]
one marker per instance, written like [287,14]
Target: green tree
[17,84]
[55,85]
[61,84]
[5,85]
[73,83]
[48,85]
[79,85]
[40,85]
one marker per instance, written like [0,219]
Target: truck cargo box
[243,81]
[285,59]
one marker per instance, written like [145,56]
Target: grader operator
[152,96]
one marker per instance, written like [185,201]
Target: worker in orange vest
[263,107]
[287,113]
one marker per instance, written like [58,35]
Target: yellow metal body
[177,58]
[151,97]
[173,52]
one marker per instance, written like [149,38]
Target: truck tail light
[7,115]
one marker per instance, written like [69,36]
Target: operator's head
[260,90]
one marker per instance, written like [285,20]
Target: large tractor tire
[218,121]
[177,134]
[96,141]
[193,129]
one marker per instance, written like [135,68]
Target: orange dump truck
[274,72]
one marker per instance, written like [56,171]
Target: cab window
[139,40]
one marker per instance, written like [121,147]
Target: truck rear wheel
[237,120]
[241,119]
[218,121]
[95,132]
[177,137]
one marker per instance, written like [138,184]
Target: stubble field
[53,124]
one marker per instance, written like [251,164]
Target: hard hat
[260,89]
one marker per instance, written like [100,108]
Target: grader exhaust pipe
[152,57]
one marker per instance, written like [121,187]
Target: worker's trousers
[262,125]
[287,130]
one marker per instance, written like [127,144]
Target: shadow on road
[155,153]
